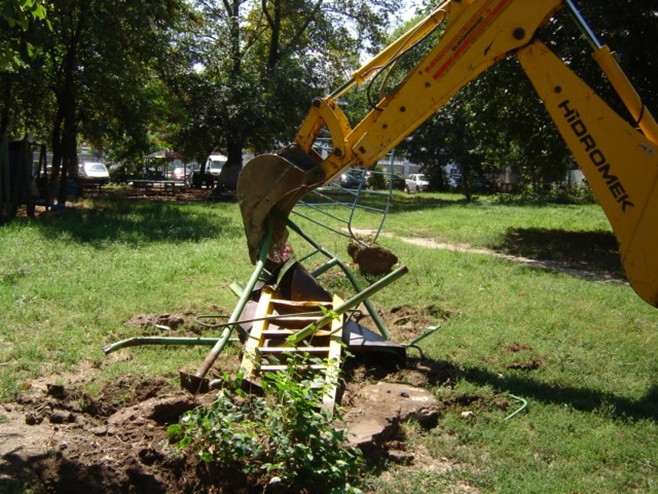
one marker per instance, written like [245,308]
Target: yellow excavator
[619,160]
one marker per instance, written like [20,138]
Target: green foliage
[21,12]
[285,435]
[18,15]
[92,77]
[554,195]
[259,66]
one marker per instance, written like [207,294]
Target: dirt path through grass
[546,264]
[537,263]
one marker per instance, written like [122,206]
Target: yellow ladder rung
[292,349]
[299,320]
[288,332]
[300,303]
[280,367]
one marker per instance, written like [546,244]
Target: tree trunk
[56,164]
[228,178]
[65,145]
[66,139]
[6,105]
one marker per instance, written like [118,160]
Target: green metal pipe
[191,341]
[255,319]
[158,340]
[246,293]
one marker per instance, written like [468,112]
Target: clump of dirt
[61,440]
[523,357]
[65,441]
[183,323]
[162,321]
[372,259]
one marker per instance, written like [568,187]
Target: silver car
[416,182]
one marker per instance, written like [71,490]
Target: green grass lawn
[581,353]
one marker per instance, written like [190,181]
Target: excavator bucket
[269,186]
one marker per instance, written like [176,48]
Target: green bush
[284,436]
[579,195]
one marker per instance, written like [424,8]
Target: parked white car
[416,182]
[93,173]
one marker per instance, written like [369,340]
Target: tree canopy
[91,77]
[258,66]
[239,75]
[15,19]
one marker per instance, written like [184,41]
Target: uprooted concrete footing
[376,411]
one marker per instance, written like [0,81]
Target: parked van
[215,164]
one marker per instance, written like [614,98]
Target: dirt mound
[59,439]
[62,441]
[66,442]
[56,438]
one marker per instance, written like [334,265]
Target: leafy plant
[286,435]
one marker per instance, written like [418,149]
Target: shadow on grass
[403,202]
[140,222]
[578,398]
[440,373]
[423,202]
[588,251]
[582,399]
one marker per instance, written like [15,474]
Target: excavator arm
[619,161]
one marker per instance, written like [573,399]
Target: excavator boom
[619,161]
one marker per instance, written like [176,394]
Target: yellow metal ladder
[268,348]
